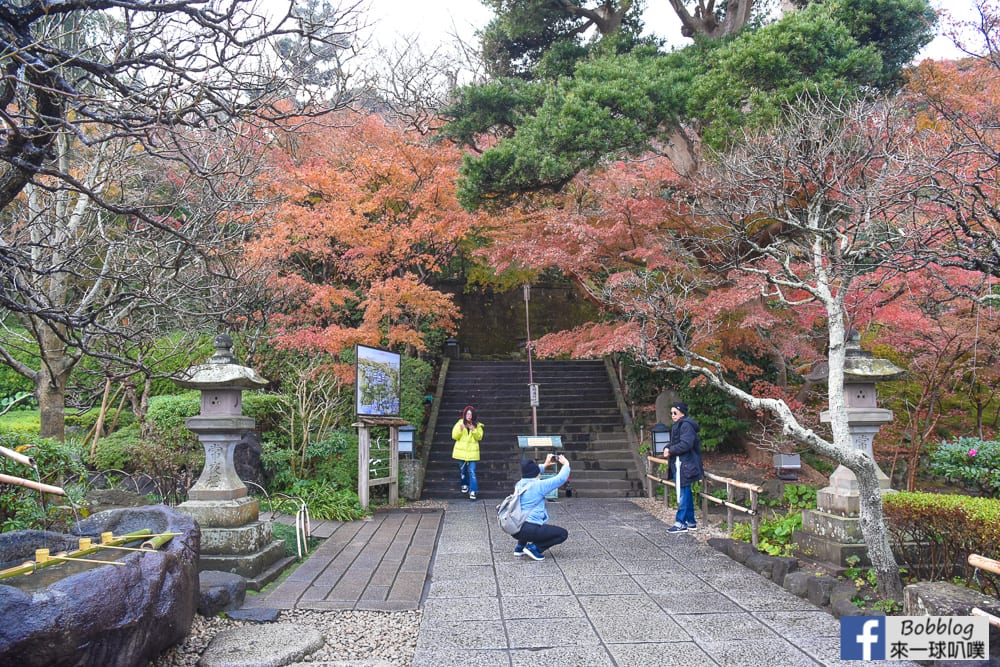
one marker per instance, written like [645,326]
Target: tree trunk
[874,528]
[51,393]
[51,381]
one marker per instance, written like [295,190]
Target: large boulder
[247,458]
[108,616]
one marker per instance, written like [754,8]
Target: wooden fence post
[364,454]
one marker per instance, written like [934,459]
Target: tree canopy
[365,218]
[624,98]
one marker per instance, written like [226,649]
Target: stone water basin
[77,614]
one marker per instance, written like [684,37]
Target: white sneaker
[472,495]
[465,488]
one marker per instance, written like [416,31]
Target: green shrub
[933,535]
[21,422]
[794,496]
[973,462]
[327,503]
[774,536]
[415,378]
[800,497]
[265,409]
[166,415]
[337,459]
[116,451]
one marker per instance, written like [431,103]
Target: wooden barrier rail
[990,565]
[728,503]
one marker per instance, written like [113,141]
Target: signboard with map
[377,389]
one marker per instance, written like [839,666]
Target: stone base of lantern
[831,538]
[259,568]
[234,540]
[222,513]
[249,551]
[842,496]
[831,533]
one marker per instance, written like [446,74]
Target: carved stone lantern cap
[859,365]
[220,371]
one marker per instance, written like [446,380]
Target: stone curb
[822,590]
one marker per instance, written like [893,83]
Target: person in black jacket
[684,451]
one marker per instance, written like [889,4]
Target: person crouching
[536,534]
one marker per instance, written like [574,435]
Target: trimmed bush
[115,452]
[933,535]
[21,422]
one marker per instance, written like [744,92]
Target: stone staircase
[577,402]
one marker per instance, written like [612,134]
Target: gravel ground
[390,637]
[350,635]
[656,507]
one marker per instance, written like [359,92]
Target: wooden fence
[730,484]
[984,563]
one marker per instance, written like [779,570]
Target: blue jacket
[685,446]
[533,498]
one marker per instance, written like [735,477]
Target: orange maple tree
[366,218]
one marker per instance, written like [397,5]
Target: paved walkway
[620,591]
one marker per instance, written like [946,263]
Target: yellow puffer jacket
[466,441]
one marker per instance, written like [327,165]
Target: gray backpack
[509,513]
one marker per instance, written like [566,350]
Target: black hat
[680,405]
[529,468]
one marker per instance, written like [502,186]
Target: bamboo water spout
[28,484]
[17,456]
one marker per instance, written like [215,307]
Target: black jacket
[685,445]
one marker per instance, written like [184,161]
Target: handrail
[990,565]
[728,503]
[984,563]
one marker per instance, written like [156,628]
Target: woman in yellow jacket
[467,433]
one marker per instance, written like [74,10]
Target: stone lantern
[233,539]
[831,532]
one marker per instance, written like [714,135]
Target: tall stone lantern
[831,532]
[233,539]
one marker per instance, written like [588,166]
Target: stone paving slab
[619,592]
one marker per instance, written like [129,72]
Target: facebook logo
[862,638]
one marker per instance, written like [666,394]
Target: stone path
[620,592]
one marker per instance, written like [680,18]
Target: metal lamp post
[532,387]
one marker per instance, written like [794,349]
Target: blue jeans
[685,508]
[467,469]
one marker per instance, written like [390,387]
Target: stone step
[578,404]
